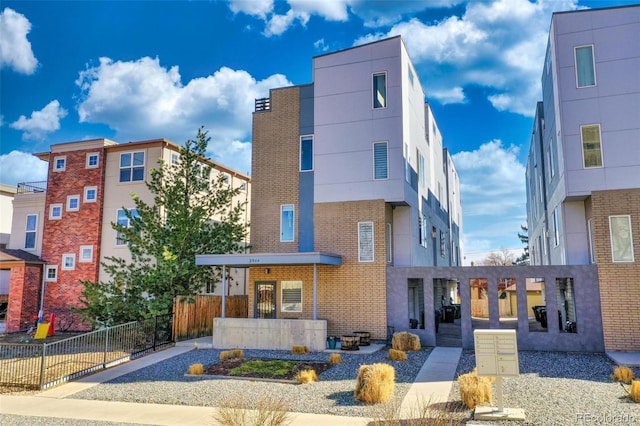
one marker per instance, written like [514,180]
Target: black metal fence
[39,366]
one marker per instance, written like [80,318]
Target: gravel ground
[166,383]
[559,388]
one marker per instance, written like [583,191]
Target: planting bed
[223,368]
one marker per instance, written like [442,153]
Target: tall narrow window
[592,247]
[132,166]
[585,67]
[31,230]
[380,90]
[365,241]
[442,244]
[123,220]
[291,296]
[551,159]
[389,243]
[621,238]
[380,161]
[591,146]
[407,164]
[306,153]
[556,231]
[287,223]
[421,171]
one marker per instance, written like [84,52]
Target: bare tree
[499,258]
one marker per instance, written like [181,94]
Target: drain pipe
[42,289]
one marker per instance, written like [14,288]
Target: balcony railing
[263,104]
[29,187]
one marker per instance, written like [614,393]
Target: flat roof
[245,260]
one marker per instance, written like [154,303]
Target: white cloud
[259,8]
[278,24]
[42,122]
[142,100]
[493,195]
[15,49]
[498,44]
[454,95]
[18,166]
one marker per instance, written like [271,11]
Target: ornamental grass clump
[623,374]
[196,369]
[397,355]
[634,391]
[375,383]
[238,410]
[474,389]
[299,350]
[405,341]
[307,376]
[233,354]
[335,359]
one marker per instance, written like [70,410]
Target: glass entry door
[265,299]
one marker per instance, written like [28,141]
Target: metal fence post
[42,364]
[155,331]
[106,348]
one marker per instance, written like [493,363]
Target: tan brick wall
[619,282]
[275,170]
[352,297]
[76,228]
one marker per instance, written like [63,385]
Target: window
[389,243]
[380,161]
[51,273]
[556,231]
[243,186]
[585,67]
[591,146]
[92,160]
[226,178]
[86,253]
[442,244]
[592,247]
[365,241]
[380,90]
[123,220]
[306,153]
[73,203]
[31,230]
[68,261]
[422,231]
[621,239]
[60,163]
[287,223]
[551,159]
[291,296]
[175,157]
[55,211]
[132,166]
[90,194]
[421,171]
[407,164]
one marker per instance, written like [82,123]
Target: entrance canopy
[270,259]
[246,260]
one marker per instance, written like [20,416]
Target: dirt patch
[222,368]
[21,337]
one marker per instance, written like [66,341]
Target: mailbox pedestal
[497,355]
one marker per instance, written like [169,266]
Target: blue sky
[137,70]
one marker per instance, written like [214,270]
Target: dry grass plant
[335,359]
[424,412]
[623,374]
[405,341]
[375,383]
[235,353]
[299,350]
[634,391]
[474,389]
[307,376]
[397,355]
[236,410]
[196,369]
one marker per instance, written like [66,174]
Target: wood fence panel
[193,315]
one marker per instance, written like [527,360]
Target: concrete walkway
[432,384]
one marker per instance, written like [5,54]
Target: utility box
[496,352]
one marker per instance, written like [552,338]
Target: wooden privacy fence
[193,315]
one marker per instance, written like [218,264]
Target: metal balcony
[31,187]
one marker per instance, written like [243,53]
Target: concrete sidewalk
[432,384]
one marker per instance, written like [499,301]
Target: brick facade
[619,282]
[74,229]
[24,302]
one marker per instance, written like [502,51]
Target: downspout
[42,289]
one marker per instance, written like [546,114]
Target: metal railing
[44,365]
[263,104]
[29,187]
